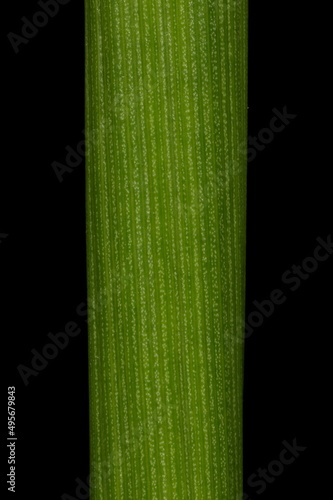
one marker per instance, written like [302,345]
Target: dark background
[42,250]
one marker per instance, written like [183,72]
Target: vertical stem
[166,119]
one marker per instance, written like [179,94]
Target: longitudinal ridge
[166,109]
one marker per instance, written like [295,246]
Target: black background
[43,255]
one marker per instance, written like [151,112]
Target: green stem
[166,113]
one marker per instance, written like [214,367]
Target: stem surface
[166,113]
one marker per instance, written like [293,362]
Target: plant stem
[166,114]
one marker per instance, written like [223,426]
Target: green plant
[166,210]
